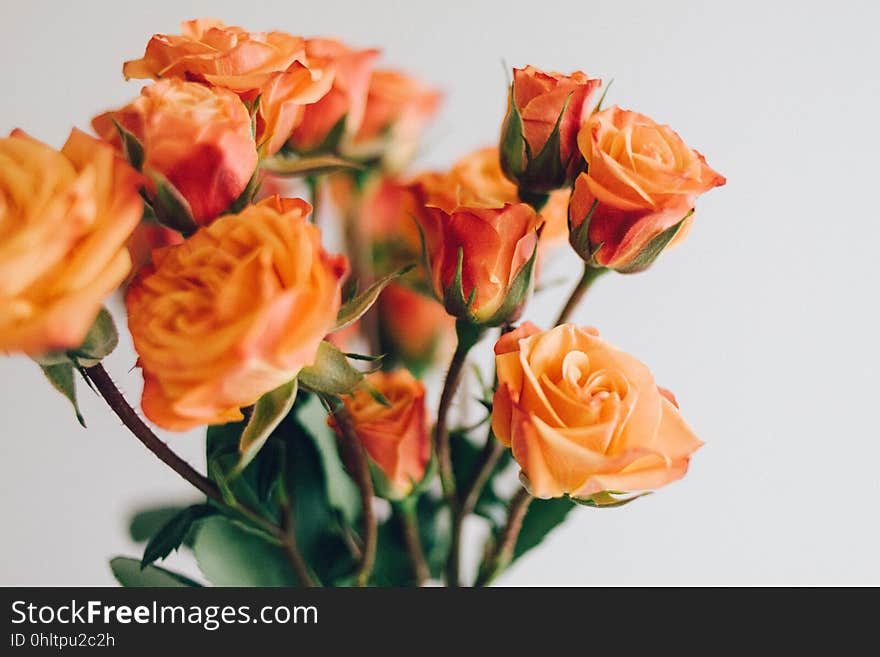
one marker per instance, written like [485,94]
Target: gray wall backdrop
[764,322]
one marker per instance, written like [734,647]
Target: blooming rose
[583,417]
[269,65]
[346,99]
[395,436]
[538,101]
[643,180]
[414,327]
[232,313]
[197,138]
[398,107]
[64,221]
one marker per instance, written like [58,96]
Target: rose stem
[356,460]
[123,410]
[502,554]
[468,335]
[468,500]
[590,274]
[291,548]
[409,524]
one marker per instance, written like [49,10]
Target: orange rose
[490,242]
[344,104]
[268,65]
[197,138]
[64,221]
[539,101]
[395,436]
[415,327]
[583,417]
[398,107]
[232,313]
[642,182]
[146,238]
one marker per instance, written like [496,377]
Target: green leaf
[354,309]
[316,520]
[128,573]
[652,249]
[331,373]
[341,491]
[171,208]
[62,379]
[268,412]
[542,517]
[132,148]
[465,458]
[306,166]
[146,522]
[173,533]
[229,555]
[607,499]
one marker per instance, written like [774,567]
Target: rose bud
[232,313]
[395,436]
[414,328]
[397,110]
[65,218]
[271,66]
[337,116]
[584,418]
[539,134]
[195,139]
[638,193]
[481,252]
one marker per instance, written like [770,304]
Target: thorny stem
[590,274]
[502,553]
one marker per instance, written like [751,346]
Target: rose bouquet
[329,461]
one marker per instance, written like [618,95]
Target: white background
[764,322]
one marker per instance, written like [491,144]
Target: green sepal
[607,499]
[652,249]
[132,148]
[598,107]
[453,296]
[171,208]
[268,413]
[331,373]
[546,171]
[172,534]
[61,377]
[517,294]
[301,167]
[248,194]
[579,237]
[99,343]
[355,308]
[513,143]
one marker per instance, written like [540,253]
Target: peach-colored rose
[346,99]
[643,180]
[64,221]
[232,313]
[415,327]
[397,110]
[395,436]
[270,65]
[543,99]
[196,137]
[583,417]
